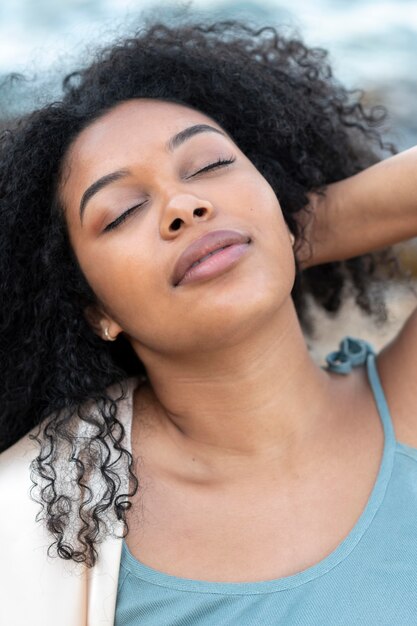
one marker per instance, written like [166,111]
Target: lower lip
[215,264]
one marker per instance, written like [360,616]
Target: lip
[204,245]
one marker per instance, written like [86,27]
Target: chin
[226,322]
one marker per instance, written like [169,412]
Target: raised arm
[371,210]
[368,211]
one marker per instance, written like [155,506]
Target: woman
[161,228]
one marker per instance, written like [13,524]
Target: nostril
[176,224]
[199,212]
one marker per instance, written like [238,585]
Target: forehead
[140,123]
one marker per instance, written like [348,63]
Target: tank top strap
[352,353]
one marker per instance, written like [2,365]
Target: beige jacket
[39,590]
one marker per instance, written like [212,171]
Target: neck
[262,400]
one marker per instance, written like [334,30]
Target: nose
[182,211]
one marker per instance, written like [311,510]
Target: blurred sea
[372,43]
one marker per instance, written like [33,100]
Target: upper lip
[203,245]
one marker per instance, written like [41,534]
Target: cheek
[125,280]
[270,229]
[268,221]
[259,196]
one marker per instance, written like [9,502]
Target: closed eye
[220,163]
[122,217]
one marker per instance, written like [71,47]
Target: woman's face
[159,195]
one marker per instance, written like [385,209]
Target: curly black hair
[282,106]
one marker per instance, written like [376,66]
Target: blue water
[372,43]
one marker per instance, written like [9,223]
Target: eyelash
[219,163]
[212,166]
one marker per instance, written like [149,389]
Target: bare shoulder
[15,485]
[397,367]
[18,457]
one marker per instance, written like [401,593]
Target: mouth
[209,256]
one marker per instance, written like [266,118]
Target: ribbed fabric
[369,579]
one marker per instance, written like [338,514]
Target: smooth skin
[242,439]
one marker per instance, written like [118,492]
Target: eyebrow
[189,132]
[173,143]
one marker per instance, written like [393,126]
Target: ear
[101,323]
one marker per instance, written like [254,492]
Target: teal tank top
[369,579]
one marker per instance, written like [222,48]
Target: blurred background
[372,45]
